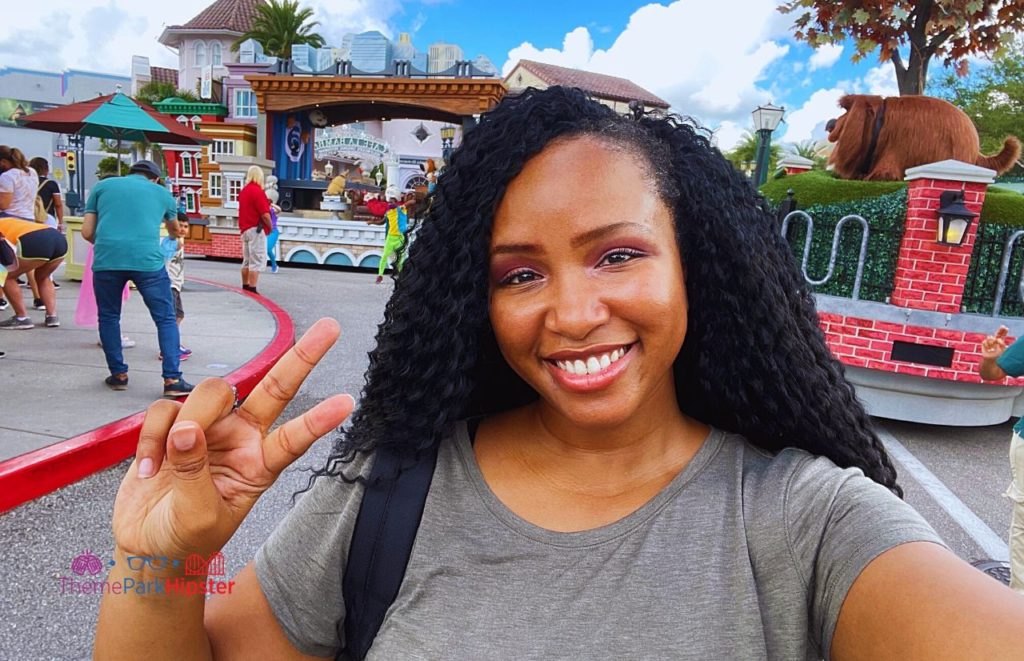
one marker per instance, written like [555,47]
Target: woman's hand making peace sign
[201,465]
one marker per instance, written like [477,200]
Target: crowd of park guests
[121,221]
[32,234]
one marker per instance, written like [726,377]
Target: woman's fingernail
[146,467]
[184,439]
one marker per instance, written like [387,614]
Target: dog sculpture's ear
[851,135]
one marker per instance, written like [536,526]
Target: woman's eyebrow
[579,240]
[600,232]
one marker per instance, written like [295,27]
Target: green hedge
[817,187]
[983,276]
[883,204]
[1003,207]
[885,216]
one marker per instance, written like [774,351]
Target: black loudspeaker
[287,199]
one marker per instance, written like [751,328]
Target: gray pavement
[38,540]
[52,378]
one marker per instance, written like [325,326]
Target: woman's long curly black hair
[754,360]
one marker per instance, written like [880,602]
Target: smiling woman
[637,445]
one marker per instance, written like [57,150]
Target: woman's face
[587,294]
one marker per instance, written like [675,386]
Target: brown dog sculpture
[878,139]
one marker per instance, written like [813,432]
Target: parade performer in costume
[397,220]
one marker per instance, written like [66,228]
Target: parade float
[914,257]
[336,139]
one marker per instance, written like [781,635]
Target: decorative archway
[302,255]
[369,260]
[356,98]
[339,258]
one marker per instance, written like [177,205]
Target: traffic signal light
[69,161]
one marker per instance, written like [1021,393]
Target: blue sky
[715,60]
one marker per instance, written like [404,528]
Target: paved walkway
[52,378]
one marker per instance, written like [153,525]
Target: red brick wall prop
[221,245]
[930,276]
[867,343]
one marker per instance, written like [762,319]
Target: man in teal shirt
[122,220]
[998,362]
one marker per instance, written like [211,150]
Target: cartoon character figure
[295,139]
[430,174]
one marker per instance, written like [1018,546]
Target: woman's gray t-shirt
[743,555]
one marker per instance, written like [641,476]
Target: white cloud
[809,120]
[881,80]
[576,52]
[825,56]
[679,52]
[102,35]
[728,134]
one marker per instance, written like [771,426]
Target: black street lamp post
[766,119]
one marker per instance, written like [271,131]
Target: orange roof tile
[598,84]
[230,15]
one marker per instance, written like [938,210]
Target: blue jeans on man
[155,289]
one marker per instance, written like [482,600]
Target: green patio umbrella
[115,117]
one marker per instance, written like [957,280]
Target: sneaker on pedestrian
[3,304]
[178,388]
[17,323]
[183,354]
[37,304]
[117,382]
[273,269]
[22,281]
[380,279]
[2,354]
[52,321]
[56,285]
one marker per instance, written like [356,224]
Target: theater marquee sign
[341,143]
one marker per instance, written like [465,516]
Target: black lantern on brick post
[954,218]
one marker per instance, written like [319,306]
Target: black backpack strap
[389,517]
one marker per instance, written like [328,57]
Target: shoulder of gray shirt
[790,501]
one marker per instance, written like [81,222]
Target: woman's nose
[576,308]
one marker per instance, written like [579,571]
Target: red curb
[28,476]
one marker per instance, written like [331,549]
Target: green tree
[107,167]
[156,91]
[743,156]
[951,30]
[992,96]
[279,25]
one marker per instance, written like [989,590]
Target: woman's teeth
[593,364]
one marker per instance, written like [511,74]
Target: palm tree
[744,155]
[155,91]
[810,149]
[280,25]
